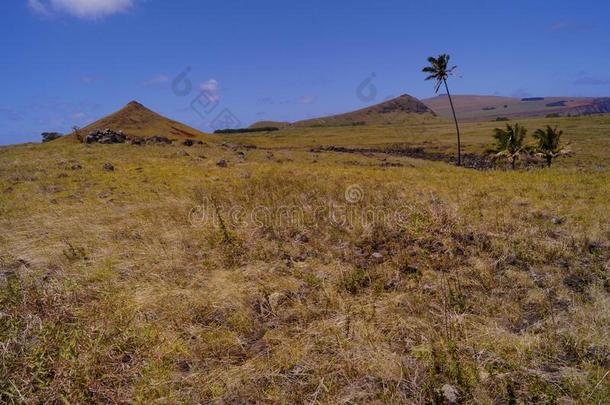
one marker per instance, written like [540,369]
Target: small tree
[548,144]
[77,134]
[510,142]
[50,136]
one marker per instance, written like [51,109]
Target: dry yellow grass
[123,286]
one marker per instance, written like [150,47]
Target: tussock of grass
[111,292]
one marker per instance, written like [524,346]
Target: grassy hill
[401,110]
[293,273]
[267,124]
[136,120]
[476,107]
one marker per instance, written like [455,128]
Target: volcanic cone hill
[135,120]
[400,110]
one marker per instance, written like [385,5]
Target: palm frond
[437,86]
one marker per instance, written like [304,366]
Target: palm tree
[548,143]
[510,142]
[439,70]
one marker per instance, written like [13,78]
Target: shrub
[245,130]
[50,136]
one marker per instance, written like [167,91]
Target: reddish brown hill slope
[136,120]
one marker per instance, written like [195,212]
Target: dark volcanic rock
[106,136]
[191,142]
[152,140]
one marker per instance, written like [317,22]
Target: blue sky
[69,62]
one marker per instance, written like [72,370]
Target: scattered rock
[182,153]
[511,260]
[408,270]
[221,163]
[450,393]
[595,246]
[52,188]
[106,136]
[191,142]
[298,370]
[578,282]
[599,355]
[377,256]
[390,285]
[108,167]
[259,348]
[76,166]
[302,238]
[275,300]
[5,276]
[152,140]
[556,220]
[184,366]
[391,164]
[429,289]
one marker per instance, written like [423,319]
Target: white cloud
[307,99]
[78,116]
[38,7]
[157,80]
[89,9]
[211,88]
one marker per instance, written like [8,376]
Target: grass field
[297,276]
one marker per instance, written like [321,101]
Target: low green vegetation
[510,142]
[245,130]
[549,145]
[50,136]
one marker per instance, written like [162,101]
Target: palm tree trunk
[457,127]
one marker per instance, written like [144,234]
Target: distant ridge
[135,120]
[480,107]
[399,110]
